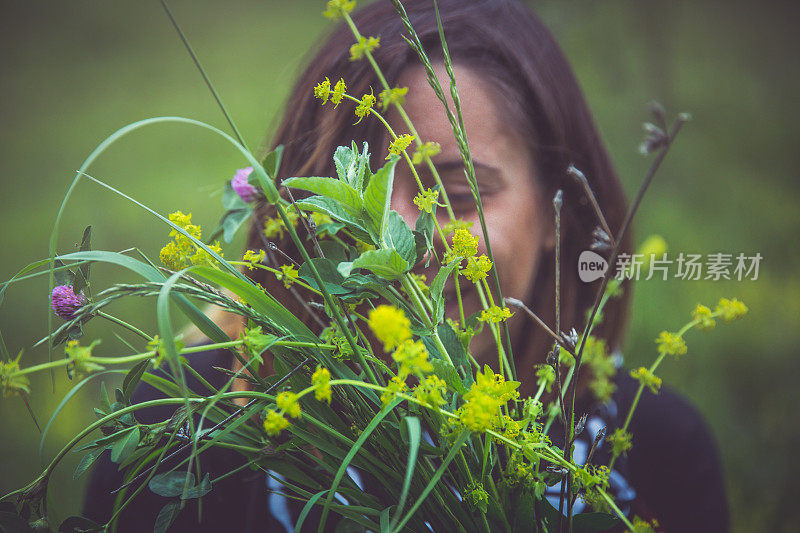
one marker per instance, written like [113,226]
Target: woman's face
[518,218]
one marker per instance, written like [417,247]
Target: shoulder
[674,462]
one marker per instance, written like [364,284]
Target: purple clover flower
[65,302]
[246,192]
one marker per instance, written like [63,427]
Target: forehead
[481,115]
[492,138]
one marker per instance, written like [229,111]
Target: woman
[526,121]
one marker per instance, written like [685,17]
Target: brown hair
[509,47]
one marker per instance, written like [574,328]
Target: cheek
[516,237]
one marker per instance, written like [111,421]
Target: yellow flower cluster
[181,251]
[364,106]
[289,403]
[495,314]
[511,427]
[477,268]
[320,379]
[274,423]
[288,274]
[426,150]
[274,228]
[477,497]
[620,441]
[337,8]
[396,95]
[465,244]
[730,309]
[647,378]
[254,258]
[79,359]
[364,45]
[670,344]
[702,314]
[426,199]
[401,143]
[431,390]
[390,325]
[482,403]
[412,358]
[10,382]
[323,91]
[394,387]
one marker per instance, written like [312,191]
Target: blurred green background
[72,73]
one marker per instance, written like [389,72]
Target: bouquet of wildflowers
[388,385]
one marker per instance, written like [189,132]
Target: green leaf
[593,522]
[232,221]
[132,379]
[454,348]
[342,193]
[306,509]
[79,524]
[198,491]
[64,276]
[377,196]
[125,445]
[230,199]
[332,279]
[385,263]
[170,484]
[67,397]
[435,478]
[166,516]
[319,204]
[399,237]
[272,162]
[437,286]
[82,274]
[414,437]
[351,167]
[449,374]
[351,454]
[261,302]
[87,461]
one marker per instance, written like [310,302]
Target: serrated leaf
[378,194]
[398,236]
[446,371]
[320,204]
[331,278]
[385,263]
[342,193]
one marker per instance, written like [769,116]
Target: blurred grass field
[72,73]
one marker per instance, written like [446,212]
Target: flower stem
[125,325]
